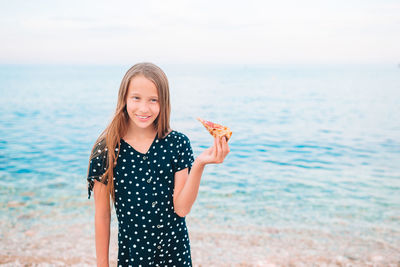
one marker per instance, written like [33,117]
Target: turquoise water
[314,147]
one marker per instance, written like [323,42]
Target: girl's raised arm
[187,185]
[102,223]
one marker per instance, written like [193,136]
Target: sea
[313,173]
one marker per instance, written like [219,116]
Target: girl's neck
[136,133]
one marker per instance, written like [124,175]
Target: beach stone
[376,258]
[29,233]
[340,260]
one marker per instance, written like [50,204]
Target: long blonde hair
[111,136]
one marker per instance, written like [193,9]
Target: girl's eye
[136,98]
[153,100]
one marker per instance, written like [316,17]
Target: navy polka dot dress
[150,233]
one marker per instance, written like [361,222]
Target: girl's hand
[216,153]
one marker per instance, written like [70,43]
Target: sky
[243,32]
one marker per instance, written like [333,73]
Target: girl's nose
[144,107]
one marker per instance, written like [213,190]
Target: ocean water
[314,148]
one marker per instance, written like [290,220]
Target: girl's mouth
[143,118]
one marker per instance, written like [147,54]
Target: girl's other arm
[187,185]
[186,188]
[102,219]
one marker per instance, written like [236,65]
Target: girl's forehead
[142,85]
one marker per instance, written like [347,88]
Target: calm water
[314,147]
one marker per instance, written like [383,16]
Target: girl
[150,174]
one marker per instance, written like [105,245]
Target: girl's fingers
[216,144]
[222,148]
[220,156]
[218,152]
[225,147]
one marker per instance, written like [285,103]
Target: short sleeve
[184,158]
[97,167]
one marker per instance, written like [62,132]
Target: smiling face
[142,103]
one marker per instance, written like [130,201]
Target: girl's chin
[140,124]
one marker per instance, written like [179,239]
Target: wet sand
[224,245]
